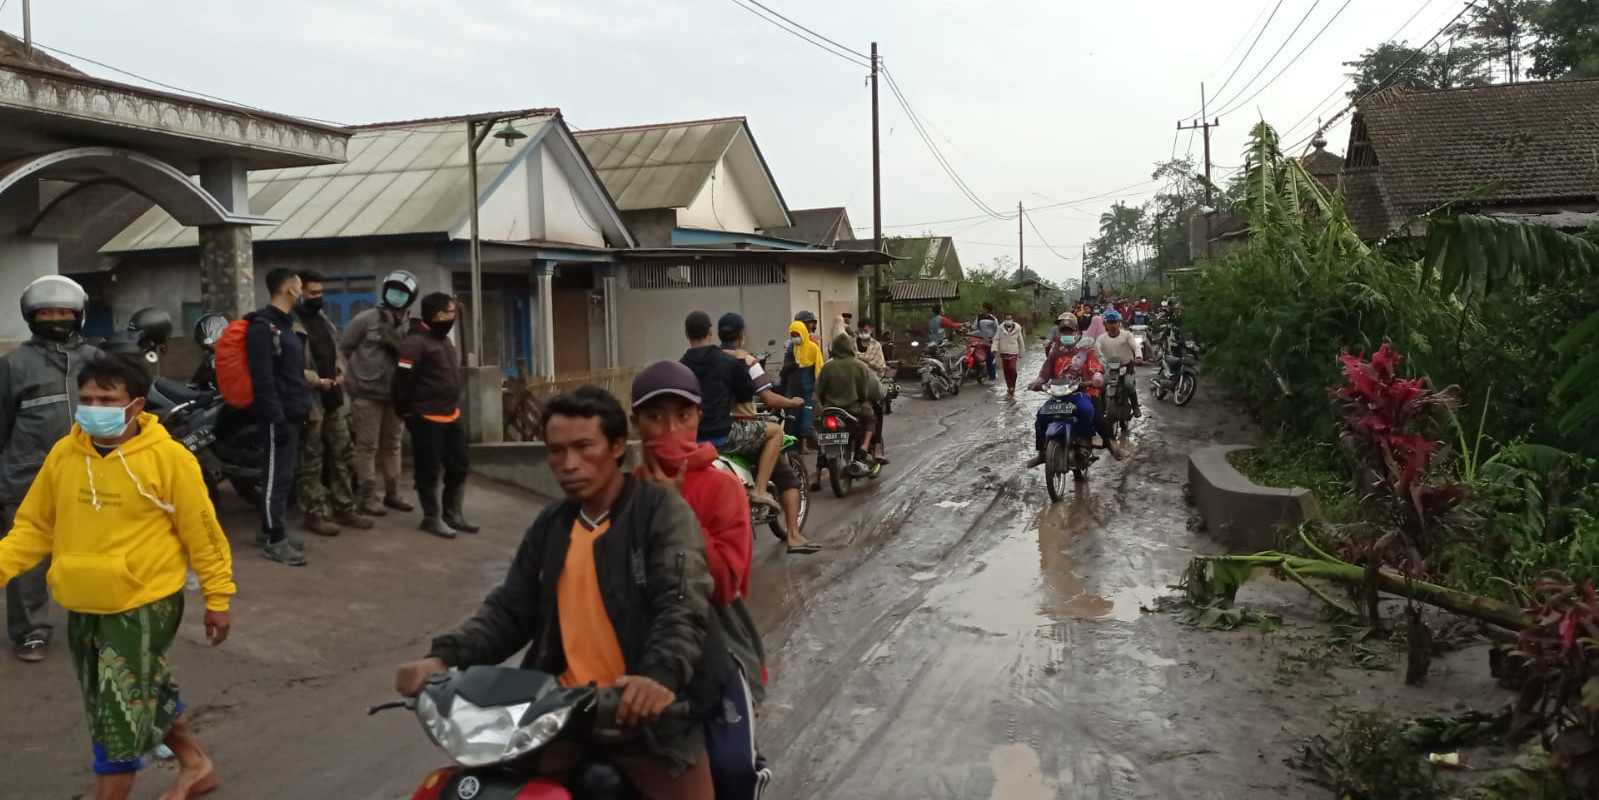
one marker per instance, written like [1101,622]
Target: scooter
[744,470]
[494,721]
[839,433]
[939,376]
[1118,396]
[1068,440]
[1179,373]
[1141,340]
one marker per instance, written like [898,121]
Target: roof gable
[818,226]
[1501,143]
[669,165]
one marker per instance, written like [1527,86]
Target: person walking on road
[427,395]
[282,402]
[986,327]
[38,396]
[123,511]
[1008,343]
[370,346]
[326,485]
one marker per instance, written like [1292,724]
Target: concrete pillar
[483,404]
[607,273]
[544,342]
[227,270]
[227,256]
[23,258]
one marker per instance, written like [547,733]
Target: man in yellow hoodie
[122,510]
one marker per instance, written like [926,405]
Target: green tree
[1399,64]
[1505,28]
[1568,40]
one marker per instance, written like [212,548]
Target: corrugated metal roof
[917,291]
[658,166]
[396,181]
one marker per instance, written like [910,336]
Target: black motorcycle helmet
[151,327]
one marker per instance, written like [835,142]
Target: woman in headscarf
[1096,327]
[802,362]
[840,328]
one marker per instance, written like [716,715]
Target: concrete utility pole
[27,28]
[1021,246]
[877,203]
[475,137]
[1204,124]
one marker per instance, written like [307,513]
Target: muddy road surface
[959,637]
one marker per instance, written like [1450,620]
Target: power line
[796,31]
[1251,49]
[1273,56]
[1291,62]
[774,13]
[1040,234]
[1241,39]
[949,169]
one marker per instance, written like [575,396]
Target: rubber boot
[371,503]
[431,522]
[453,495]
[392,499]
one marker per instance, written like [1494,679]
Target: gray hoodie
[369,346]
[38,396]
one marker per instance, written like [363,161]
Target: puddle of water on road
[1032,580]
[1018,774]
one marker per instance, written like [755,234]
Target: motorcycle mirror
[770,342]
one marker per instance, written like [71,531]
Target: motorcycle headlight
[480,737]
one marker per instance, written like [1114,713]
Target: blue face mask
[396,298]
[795,340]
[103,422]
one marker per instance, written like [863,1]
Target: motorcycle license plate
[832,438]
[198,439]
[1059,408]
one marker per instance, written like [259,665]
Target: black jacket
[657,593]
[724,380]
[427,376]
[277,366]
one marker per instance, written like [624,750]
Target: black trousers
[437,447]
[280,448]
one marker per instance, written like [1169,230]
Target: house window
[192,312]
[703,274]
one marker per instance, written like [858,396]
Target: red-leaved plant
[1385,412]
[1555,668]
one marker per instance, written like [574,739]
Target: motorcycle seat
[174,391]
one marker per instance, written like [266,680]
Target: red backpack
[233,365]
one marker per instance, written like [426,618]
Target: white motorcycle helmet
[398,289]
[54,291]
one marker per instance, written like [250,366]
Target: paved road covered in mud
[961,637]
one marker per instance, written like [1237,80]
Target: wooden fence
[525,396]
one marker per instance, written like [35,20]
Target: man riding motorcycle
[849,384]
[610,587]
[1119,345]
[1073,359]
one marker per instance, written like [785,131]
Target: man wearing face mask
[124,512]
[325,486]
[370,346]
[282,403]
[427,395]
[38,396]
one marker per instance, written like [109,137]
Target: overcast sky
[1037,101]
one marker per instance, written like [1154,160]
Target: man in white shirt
[1119,345]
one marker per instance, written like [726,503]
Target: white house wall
[651,320]
[839,287]
[507,214]
[721,206]
[567,216]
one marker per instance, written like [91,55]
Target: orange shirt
[592,652]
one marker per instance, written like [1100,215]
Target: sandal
[804,549]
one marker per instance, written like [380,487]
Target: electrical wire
[774,13]
[1291,62]
[1273,56]
[797,32]
[1040,234]
[1240,64]
[954,176]
[1241,39]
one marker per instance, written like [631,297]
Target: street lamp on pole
[474,138]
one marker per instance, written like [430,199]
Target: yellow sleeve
[32,534]
[201,533]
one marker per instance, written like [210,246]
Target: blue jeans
[1085,420]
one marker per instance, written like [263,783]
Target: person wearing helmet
[370,346]
[812,324]
[1118,344]
[38,396]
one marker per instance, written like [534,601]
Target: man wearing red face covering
[666,412]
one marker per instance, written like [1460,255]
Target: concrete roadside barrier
[1241,515]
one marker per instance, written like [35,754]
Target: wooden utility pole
[877,203]
[1021,248]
